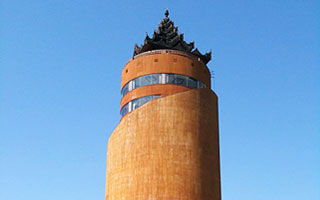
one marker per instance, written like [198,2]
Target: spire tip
[166,13]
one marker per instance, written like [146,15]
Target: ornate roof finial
[166,13]
[167,37]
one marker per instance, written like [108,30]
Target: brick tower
[166,145]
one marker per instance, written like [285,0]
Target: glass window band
[136,103]
[163,78]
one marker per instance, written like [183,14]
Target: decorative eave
[167,37]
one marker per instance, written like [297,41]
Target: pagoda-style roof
[167,37]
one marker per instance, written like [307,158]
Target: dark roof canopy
[167,37]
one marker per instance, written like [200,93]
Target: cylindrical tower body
[166,145]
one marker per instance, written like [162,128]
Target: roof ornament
[167,37]
[166,13]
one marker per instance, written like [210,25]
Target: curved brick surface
[165,63]
[167,149]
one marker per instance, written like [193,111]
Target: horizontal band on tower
[162,78]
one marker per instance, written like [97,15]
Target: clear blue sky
[60,65]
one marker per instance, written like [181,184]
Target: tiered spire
[167,37]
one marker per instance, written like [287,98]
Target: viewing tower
[166,145]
